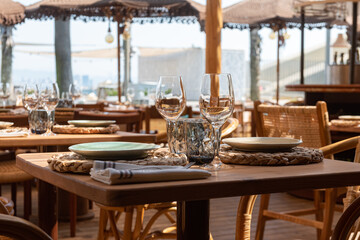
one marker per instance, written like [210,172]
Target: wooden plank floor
[222,224]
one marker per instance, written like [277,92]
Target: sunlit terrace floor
[222,225]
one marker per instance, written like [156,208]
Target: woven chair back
[308,123]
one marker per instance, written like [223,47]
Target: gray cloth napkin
[117,173]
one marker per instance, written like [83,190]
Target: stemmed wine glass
[170,100]
[216,105]
[74,93]
[49,99]
[4,93]
[30,100]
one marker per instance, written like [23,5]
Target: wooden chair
[152,113]
[348,226]
[131,120]
[92,107]
[18,228]
[18,120]
[311,124]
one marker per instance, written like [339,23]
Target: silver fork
[189,164]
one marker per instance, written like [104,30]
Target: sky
[91,35]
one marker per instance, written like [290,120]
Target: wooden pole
[278,68]
[213,26]
[302,55]
[118,60]
[353,43]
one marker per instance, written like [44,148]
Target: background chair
[311,124]
[18,120]
[92,107]
[9,173]
[152,113]
[132,121]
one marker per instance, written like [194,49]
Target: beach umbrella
[11,12]
[277,15]
[139,11]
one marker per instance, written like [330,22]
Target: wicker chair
[16,228]
[309,123]
[348,226]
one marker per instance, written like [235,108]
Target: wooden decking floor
[222,223]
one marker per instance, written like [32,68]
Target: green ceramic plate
[262,143]
[113,150]
[91,123]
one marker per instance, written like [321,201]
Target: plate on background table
[350,117]
[113,150]
[262,143]
[91,123]
[5,124]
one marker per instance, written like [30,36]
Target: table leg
[48,209]
[193,220]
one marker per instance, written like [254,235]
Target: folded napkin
[117,173]
[13,134]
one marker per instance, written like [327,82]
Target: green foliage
[168,91]
[111,92]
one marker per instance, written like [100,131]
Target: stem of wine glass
[49,132]
[169,123]
[217,131]
[4,103]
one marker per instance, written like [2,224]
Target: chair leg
[90,204]
[129,211]
[243,217]
[115,231]
[330,198]
[319,214]
[73,213]
[27,199]
[102,225]
[264,205]
[13,196]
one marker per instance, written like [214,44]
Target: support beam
[118,60]
[302,56]
[213,26]
[353,43]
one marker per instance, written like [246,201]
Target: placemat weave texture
[295,156]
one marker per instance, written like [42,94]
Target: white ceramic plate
[91,123]
[5,124]
[113,150]
[13,134]
[262,143]
[349,117]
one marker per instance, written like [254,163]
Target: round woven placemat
[344,123]
[70,129]
[295,156]
[75,163]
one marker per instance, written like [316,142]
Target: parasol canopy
[270,13]
[117,9]
[11,13]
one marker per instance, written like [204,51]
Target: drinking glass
[216,106]
[130,94]
[30,100]
[49,98]
[74,93]
[170,100]
[4,93]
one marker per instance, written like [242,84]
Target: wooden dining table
[69,139]
[192,195]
